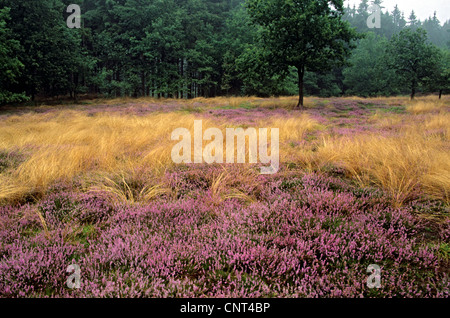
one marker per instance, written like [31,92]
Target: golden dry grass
[424,106]
[415,156]
[120,191]
[285,102]
[67,144]
[71,143]
[292,129]
[403,100]
[397,164]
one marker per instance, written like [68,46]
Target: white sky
[423,8]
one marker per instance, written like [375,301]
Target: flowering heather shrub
[306,236]
[36,267]
[246,116]
[60,208]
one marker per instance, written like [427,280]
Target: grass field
[362,181]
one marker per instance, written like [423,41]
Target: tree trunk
[301,75]
[440,94]
[143,84]
[413,90]
[72,82]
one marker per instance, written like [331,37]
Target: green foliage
[10,65]
[322,85]
[50,53]
[436,33]
[439,80]
[368,74]
[412,57]
[258,77]
[191,48]
[308,35]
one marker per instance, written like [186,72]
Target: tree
[259,77]
[446,31]
[398,19]
[50,49]
[434,30]
[239,37]
[192,48]
[412,20]
[440,79]
[361,16]
[412,57]
[308,35]
[10,66]
[368,74]
[322,85]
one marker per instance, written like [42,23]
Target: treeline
[191,48]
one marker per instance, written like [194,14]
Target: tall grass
[63,146]
[66,144]
[416,158]
[424,106]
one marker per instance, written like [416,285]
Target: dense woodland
[191,48]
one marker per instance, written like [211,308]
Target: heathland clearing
[361,181]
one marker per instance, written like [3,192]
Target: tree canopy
[412,57]
[10,65]
[192,48]
[308,34]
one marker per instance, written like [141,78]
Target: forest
[197,48]
[120,176]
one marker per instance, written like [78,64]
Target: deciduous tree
[309,35]
[413,58]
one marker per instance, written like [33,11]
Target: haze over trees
[192,48]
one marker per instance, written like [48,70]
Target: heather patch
[311,236]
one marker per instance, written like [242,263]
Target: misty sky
[423,9]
